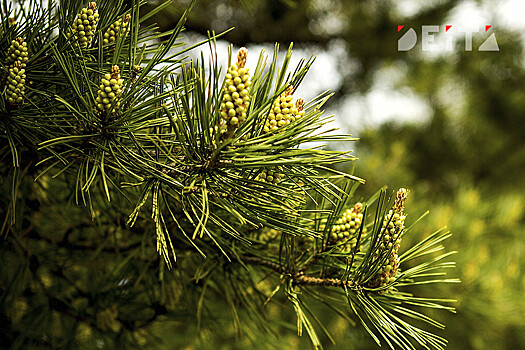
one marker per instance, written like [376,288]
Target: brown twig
[299,278]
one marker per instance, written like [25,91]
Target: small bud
[271,175]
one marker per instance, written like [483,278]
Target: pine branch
[210,166]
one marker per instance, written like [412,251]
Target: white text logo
[429,42]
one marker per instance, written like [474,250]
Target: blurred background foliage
[465,161]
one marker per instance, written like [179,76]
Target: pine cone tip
[241,57]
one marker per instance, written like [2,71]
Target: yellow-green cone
[83,28]
[17,52]
[346,229]
[283,111]
[109,90]
[16,79]
[120,27]
[236,97]
[393,225]
[272,175]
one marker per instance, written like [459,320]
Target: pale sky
[384,102]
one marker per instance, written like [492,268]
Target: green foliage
[472,144]
[468,162]
[488,231]
[128,209]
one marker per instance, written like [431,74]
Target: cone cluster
[119,27]
[283,111]
[272,175]
[109,90]
[236,97]
[18,52]
[393,225]
[16,79]
[17,57]
[346,229]
[83,28]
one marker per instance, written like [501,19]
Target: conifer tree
[141,188]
